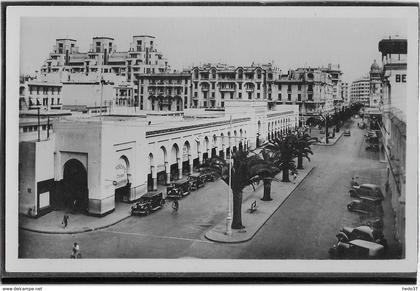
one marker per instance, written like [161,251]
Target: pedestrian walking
[294,177]
[175,205]
[65,220]
[75,254]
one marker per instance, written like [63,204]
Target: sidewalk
[280,191]
[331,141]
[51,222]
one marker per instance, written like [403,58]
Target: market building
[96,162]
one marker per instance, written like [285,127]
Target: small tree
[284,152]
[303,148]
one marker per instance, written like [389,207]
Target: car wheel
[352,193]
[350,207]
[147,211]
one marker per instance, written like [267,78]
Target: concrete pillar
[154,177]
[200,158]
[190,162]
[179,168]
[168,173]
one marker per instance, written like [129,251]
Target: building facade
[164,91]
[309,88]
[375,86]
[345,94]
[336,79]
[212,85]
[360,91]
[393,129]
[34,94]
[97,163]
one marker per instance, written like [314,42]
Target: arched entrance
[76,194]
[122,181]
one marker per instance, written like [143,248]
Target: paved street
[302,228]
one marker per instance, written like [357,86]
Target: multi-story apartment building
[394,78]
[375,86]
[345,95]
[102,72]
[34,94]
[360,91]
[164,91]
[336,73]
[309,88]
[213,84]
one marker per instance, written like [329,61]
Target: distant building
[393,126]
[336,73]
[212,85]
[345,94]
[34,94]
[164,91]
[360,91]
[375,86]
[101,73]
[310,88]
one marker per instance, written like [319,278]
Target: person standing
[65,220]
[294,177]
[75,254]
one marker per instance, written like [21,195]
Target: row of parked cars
[367,240]
[154,200]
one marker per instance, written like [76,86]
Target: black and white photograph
[184,139]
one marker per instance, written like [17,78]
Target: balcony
[227,89]
[249,89]
[205,89]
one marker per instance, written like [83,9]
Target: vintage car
[370,190]
[178,189]
[356,249]
[362,232]
[148,203]
[209,176]
[366,205]
[347,132]
[196,181]
[372,147]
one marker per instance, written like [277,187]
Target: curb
[74,232]
[331,144]
[258,229]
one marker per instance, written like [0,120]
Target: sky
[288,42]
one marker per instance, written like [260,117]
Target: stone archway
[122,179]
[76,194]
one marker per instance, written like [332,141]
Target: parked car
[148,203]
[370,190]
[347,132]
[196,181]
[366,205]
[372,147]
[372,139]
[356,249]
[370,133]
[362,232]
[178,189]
[209,176]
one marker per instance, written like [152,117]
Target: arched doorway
[151,173]
[122,179]
[76,194]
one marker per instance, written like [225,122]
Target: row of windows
[34,128]
[44,90]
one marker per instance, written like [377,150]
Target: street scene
[133,144]
[304,226]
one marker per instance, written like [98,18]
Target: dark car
[148,203]
[366,205]
[209,176]
[372,147]
[347,132]
[196,181]
[366,190]
[178,189]
[362,232]
[356,249]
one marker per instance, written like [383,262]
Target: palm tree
[284,152]
[245,169]
[302,145]
[262,168]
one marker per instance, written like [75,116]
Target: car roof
[151,194]
[365,229]
[367,244]
[370,198]
[372,186]
[182,181]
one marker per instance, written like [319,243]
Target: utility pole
[326,129]
[39,125]
[48,127]
[102,93]
[229,217]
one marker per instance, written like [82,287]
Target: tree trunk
[267,191]
[300,162]
[237,211]
[286,175]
